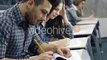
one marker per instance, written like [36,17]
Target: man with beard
[17,26]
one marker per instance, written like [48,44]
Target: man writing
[17,26]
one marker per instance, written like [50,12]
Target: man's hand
[57,49]
[64,51]
[43,56]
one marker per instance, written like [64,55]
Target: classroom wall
[100,9]
[98,6]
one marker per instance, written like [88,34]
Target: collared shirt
[15,34]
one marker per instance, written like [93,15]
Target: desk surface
[85,30]
[85,22]
[83,54]
[78,42]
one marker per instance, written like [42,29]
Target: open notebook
[75,56]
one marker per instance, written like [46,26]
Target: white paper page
[82,31]
[75,56]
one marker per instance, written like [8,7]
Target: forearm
[64,42]
[84,18]
[48,47]
[51,46]
[66,19]
[81,12]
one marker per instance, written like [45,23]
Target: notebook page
[75,56]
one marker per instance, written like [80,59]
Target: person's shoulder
[6,15]
[71,8]
[5,20]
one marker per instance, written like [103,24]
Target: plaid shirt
[15,34]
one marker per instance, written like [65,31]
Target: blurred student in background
[75,11]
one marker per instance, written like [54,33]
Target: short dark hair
[68,2]
[37,2]
[55,3]
[77,2]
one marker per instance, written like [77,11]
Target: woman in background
[57,19]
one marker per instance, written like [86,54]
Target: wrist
[54,48]
[33,58]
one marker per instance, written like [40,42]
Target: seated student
[75,11]
[17,26]
[5,4]
[57,21]
[68,4]
[51,19]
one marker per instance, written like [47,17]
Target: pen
[41,48]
